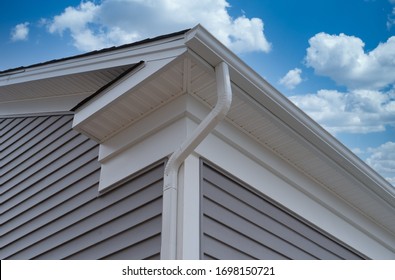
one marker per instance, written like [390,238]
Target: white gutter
[199,39]
[169,215]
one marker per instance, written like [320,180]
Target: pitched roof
[92,53]
[60,84]
[106,90]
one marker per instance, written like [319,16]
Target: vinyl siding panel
[239,223]
[50,206]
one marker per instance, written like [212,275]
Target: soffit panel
[262,125]
[187,75]
[179,77]
[75,84]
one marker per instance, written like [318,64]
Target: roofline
[205,45]
[21,69]
[106,58]
[288,113]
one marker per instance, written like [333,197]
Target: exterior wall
[50,208]
[63,196]
[160,133]
[238,155]
[239,223]
[53,208]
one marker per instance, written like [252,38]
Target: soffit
[187,74]
[74,84]
[259,123]
[260,120]
[59,85]
[262,112]
[178,77]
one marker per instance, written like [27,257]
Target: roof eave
[202,43]
[105,58]
[211,50]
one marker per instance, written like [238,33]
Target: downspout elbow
[224,100]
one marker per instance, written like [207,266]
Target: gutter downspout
[169,218]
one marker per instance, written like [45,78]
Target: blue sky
[335,59]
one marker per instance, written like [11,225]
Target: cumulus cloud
[343,59]
[368,103]
[382,159]
[292,78]
[20,32]
[79,21]
[94,26]
[74,19]
[358,111]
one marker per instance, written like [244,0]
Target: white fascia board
[149,125]
[383,199]
[211,50]
[117,90]
[319,140]
[150,139]
[300,194]
[265,171]
[107,59]
[160,133]
[156,146]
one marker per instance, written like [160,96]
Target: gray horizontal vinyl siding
[239,223]
[50,207]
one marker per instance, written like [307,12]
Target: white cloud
[74,19]
[368,104]
[391,18]
[20,32]
[382,159]
[77,21]
[292,78]
[343,59]
[94,26]
[358,111]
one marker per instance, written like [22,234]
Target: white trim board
[248,161]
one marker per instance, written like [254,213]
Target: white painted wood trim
[262,169]
[250,162]
[326,212]
[142,154]
[147,52]
[150,124]
[132,80]
[188,224]
[265,95]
